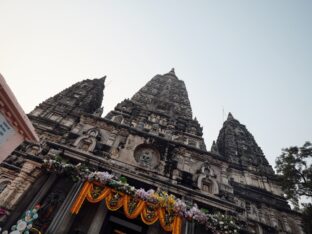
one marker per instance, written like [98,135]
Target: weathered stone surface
[238,146]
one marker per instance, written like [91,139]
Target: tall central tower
[162,108]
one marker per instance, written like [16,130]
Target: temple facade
[153,142]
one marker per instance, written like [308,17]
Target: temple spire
[161,108]
[230,116]
[171,73]
[166,94]
[82,97]
[238,145]
[102,79]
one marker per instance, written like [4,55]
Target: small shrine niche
[87,142]
[207,180]
[207,186]
[117,119]
[3,185]
[147,156]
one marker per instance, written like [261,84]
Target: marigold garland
[132,207]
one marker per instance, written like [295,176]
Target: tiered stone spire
[162,108]
[64,109]
[238,145]
[83,97]
[165,94]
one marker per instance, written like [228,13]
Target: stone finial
[102,79]
[230,116]
[171,73]
[98,112]
[214,147]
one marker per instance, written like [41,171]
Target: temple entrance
[112,223]
[117,223]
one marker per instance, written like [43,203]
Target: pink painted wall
[15,127]
[10,144]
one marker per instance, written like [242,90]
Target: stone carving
[117,118]
[206,180]
[3,185]
[15,160]
[147,156]
[13,190]
[98,112]
[158,92]
[87,142]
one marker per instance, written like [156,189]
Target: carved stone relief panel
[207,179]
[3,184]
[87,141]
[12,191]
[15,160]
[147,156]
[117,118]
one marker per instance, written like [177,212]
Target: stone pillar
[186,226]
[192,228]
[21,191]
[14,191]
[43,191]
[63,219]
[98,219]
[189,228]
[259,229]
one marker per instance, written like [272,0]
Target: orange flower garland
[132,212]
[93,198]
[132,207]
[149,214]
[81,197]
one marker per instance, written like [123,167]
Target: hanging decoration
[151,205]
[24,225]
[133,206]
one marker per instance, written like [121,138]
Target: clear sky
[250,57]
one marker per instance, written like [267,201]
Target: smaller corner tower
[239,147]
[61,111]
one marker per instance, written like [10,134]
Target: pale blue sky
[252,58]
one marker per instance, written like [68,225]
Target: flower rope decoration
[24,225]
[152,205]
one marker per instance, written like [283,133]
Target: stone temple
[153,142]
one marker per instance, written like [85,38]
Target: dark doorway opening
[117,223]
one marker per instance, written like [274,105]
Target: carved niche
[87,142]
[117,118]
[4,184]
[207,180]
[147,156]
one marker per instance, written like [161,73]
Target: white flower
[141,193]
[21,226]
[103,177]
[179,207]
